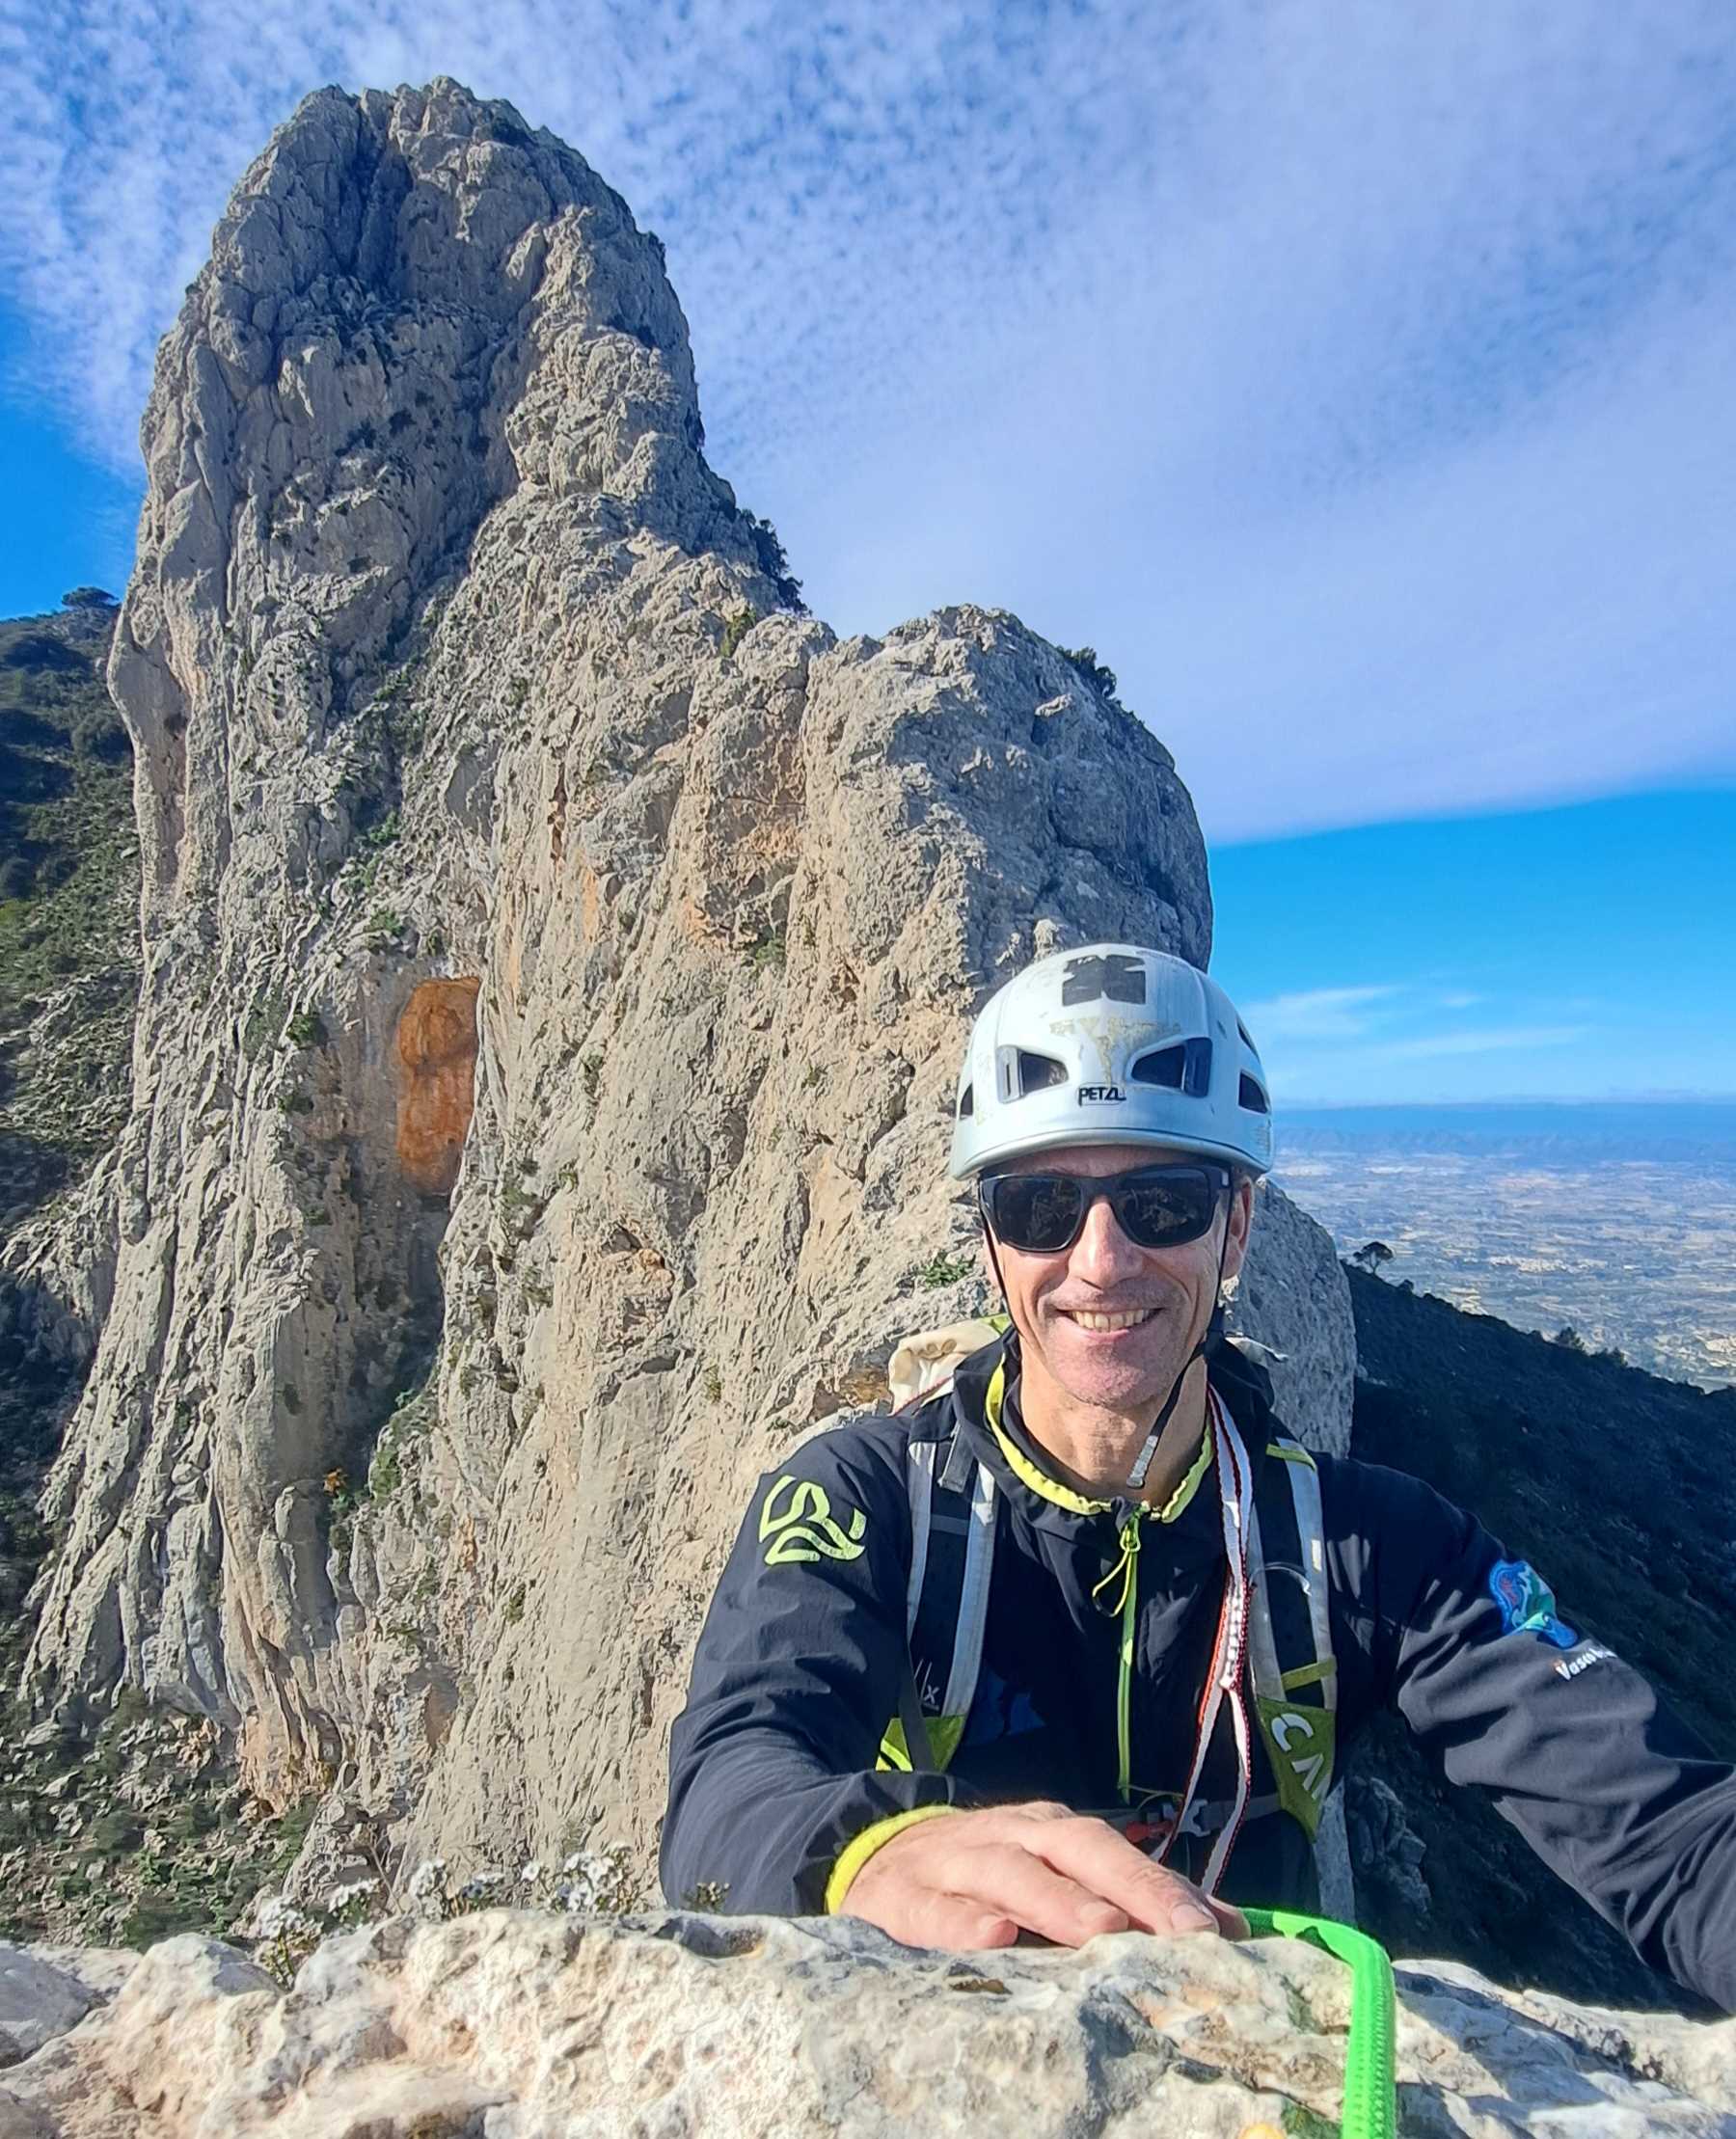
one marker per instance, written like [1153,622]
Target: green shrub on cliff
[68,895]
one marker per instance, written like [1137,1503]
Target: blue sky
[1355,378]
[70,518]
[1577,953]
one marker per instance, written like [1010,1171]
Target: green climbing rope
[1371,2087]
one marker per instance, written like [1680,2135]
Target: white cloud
[1510,1061]
[1317,1014]
[1354,377]
[1488,1040]
[1355,1042]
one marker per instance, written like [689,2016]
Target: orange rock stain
[437,1081]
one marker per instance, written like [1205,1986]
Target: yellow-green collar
[1063,1495]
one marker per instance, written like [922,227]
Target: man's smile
[1100,1324]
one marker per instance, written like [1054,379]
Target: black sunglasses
[1156,1206]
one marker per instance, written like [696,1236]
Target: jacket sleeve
[797,1673]
[1610,1789]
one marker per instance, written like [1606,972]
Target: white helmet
[1110,1045]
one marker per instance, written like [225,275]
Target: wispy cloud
[1319,1039]
[1355,379]
[1487,1039]
[1317,1014]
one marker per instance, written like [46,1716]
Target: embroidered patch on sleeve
[802,1527]
[1526,1602]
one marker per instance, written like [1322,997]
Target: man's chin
[1114,1377]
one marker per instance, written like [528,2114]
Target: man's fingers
[972,1882]
[1034,1893]
[951,1923]
[1093,1854]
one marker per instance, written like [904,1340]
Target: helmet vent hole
[1036,1071]
[1247,1039]
[1166,1069]
[967,1104]
[1185,1067]
[1252,1098]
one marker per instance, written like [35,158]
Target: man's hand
[979,1879]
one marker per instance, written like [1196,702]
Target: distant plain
[1618,1221]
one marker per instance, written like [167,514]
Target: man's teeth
[1110,1321]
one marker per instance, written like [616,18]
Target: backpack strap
[946,1608]
[1290,1632]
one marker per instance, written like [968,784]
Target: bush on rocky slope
[140,1834]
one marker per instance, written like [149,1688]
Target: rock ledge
[514,2025]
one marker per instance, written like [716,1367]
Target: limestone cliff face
[557,948]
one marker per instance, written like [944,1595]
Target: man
[1071,1644]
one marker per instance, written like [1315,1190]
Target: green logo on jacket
[804,1527]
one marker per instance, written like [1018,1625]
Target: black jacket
[800,1663]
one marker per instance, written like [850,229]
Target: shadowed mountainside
[1620,1488]
[68,978]
[68,903]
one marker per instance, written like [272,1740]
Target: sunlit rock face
[525,2025]
[554,988]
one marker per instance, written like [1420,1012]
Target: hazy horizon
[1665,1104]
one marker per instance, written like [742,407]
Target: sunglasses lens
[1038,1213]
[1165,1207]
[1156,1206]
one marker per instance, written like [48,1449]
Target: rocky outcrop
[47,1991]
[520,2026]
[557,949]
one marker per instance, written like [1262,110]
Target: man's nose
[1104,1255]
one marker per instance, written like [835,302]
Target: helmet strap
[1214,1324]
[994,1260]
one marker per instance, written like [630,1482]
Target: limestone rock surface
[558,947]
[45,1994]
[515,2026]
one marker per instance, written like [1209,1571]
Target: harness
[1274,1637]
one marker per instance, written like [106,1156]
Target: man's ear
[1241,1224]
